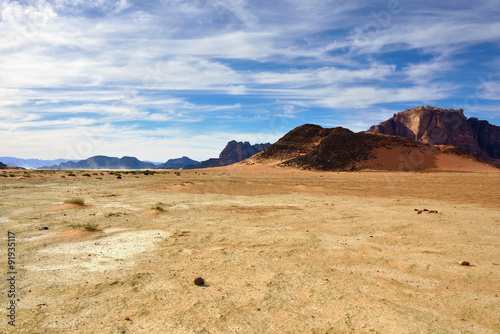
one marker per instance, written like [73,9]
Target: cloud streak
[141,69]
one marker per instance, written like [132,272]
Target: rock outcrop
[233,152]
[438,126]
[3,166]
[433,126]
[488,136]
[338,149]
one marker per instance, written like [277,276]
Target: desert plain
[280,250]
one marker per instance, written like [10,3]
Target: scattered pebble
[42,228]
[425,210]
[464,263]
[199,281]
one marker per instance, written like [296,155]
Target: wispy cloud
[229,69]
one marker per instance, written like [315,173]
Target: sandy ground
[281,251]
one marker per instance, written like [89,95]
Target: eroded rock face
[238,151]
[233,152]
[434,126]
[488,136]
[2,166]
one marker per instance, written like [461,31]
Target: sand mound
[68,206]
[153,213]
[76,232]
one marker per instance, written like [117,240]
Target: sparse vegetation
[158,207]
[90,226]
[71,174]
[178,173]
[86,174]
[75,201]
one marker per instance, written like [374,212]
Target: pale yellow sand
[281,251]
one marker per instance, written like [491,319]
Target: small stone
[419,212]
[199,281]
[464,263]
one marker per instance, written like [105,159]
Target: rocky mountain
[487,135]
[438,126]
[177,163]
[31,163]
[3,166]
[233,152]
[104,162]
[338,149]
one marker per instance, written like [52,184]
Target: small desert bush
[90,226]
[75,201]
[86,174]
[158,206]
[71,174]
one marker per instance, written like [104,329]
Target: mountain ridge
[313,147]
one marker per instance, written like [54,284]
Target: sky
[161,79]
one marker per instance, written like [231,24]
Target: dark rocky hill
[233,152]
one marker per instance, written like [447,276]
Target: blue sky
[166,78]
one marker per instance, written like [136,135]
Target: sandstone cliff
[488,136]
[438,126]
[233,152]
[432,125]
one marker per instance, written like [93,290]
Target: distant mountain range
[104,162]
[232,153]
[31,163]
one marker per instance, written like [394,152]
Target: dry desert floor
[280,250]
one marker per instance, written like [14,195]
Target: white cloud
[130,65]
